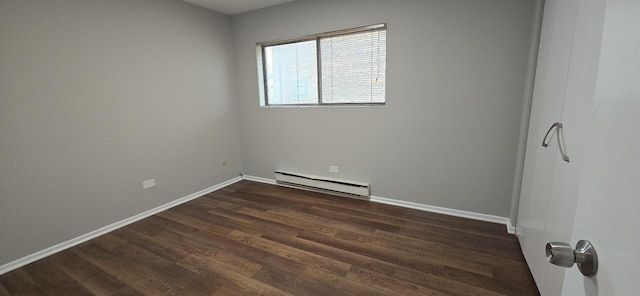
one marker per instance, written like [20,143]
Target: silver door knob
[584,255]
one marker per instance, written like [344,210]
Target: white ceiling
[232,7]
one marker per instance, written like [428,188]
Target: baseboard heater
[323,184]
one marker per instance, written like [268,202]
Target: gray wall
[97,96]
[448,135]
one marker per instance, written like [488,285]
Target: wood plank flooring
[258,239]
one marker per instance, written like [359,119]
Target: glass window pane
[292,73]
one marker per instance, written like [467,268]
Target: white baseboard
[417,206]
[98,232]
[447,211]
[259,179]
[510,228]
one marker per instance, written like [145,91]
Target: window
[335,68]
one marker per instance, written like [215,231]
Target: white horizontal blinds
[354,67]
[291,73]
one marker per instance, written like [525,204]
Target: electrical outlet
[148,184]
[333,169]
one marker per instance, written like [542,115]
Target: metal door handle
[557,129]
[584,255]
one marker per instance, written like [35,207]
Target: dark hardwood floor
[259,239]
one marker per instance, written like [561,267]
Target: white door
[608,210]
[596,195]
[538,222]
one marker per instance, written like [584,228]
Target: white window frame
[262,74]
